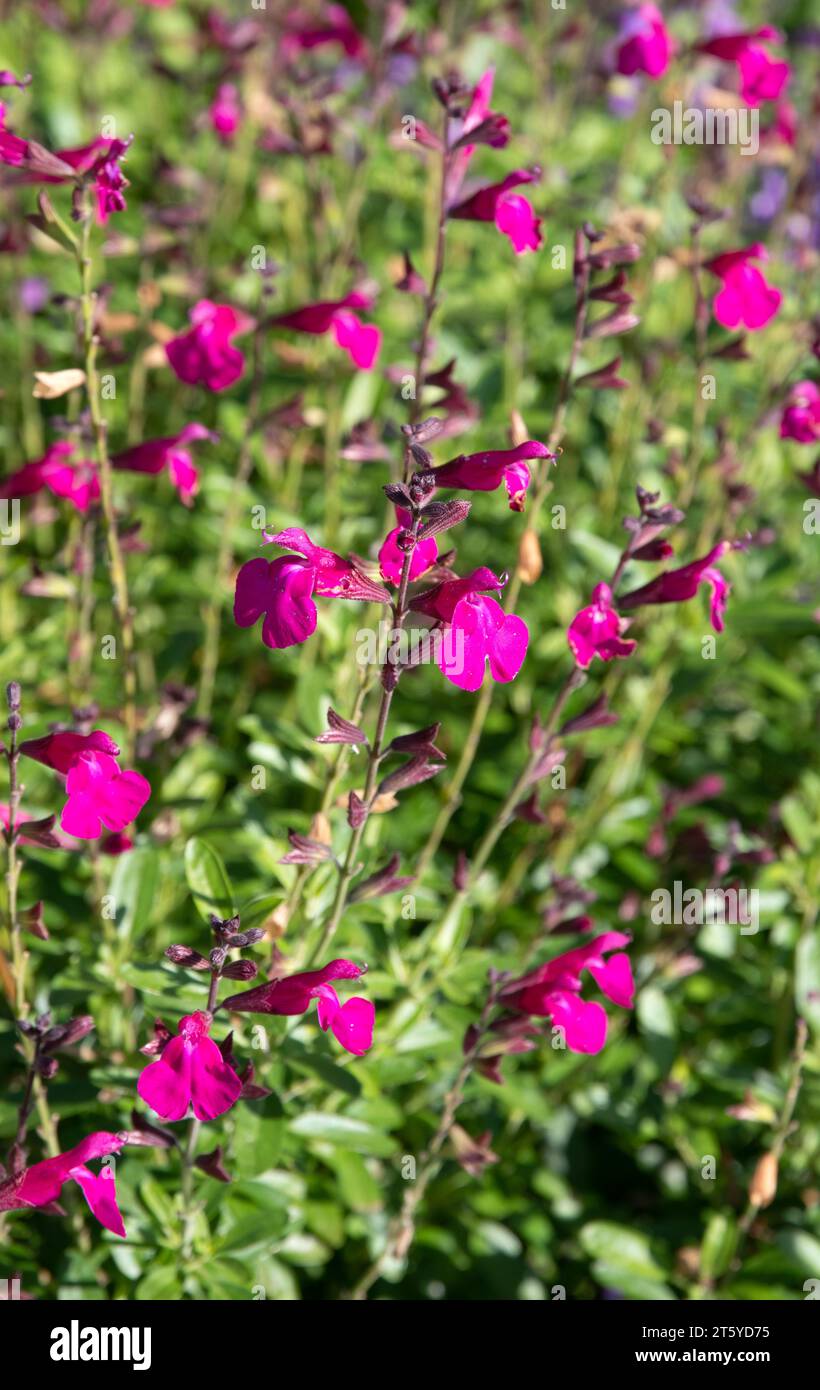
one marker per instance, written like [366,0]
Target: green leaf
[134,888]
[208,880]
[807,978]
[718,1245]
[355,1135]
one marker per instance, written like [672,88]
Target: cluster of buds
[49,1038]
[227,938]
[591,260]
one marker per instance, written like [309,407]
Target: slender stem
[543,487]
[115,556]
[403,1228]
[213,613]
[701,318]
[431,298]
[390,678]
[189,1154]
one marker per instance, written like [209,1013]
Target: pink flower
[303,30]
[762,78]
[676,586]
[74,480]
[98,161]
[644,44]
[61,750]
[553,990]
[477,113]
[41,1184]
[205,356]
[512,214]
[485,472]
[351,1023]
[283,589]
[596,630]
[745,297]
[477,630]
[361,341]
[155,454]
[99,794]
[225,112]
[801,414]
[190,1070]
[391,556]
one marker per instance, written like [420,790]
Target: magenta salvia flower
[99,794]
[477,114]
[190,1070]
[643,44]
[478,629]
[283,589]
[225,112]
[155,454]
[42,1183]
[485,472]
[762,78]
[391,556]
[75,480]
[553,990]
[676,586]
[596,630]
[98,161]
[361,341]
[351,1023]
[61,750]
[307,29]
[745,298]
[801,414]
[511,212]
[205,355]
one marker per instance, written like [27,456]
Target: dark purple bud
[212,1165]
[422,486]
[410,775]
[494,130]
[619,321]
[597,716]
[186,956]
[604,379]
[384,880]
[614,255]
[441,516]
[48,1067]
[342,731]
[64,1034]
[250,1089]
[423,461]
[733,351]
[461,872]
[422,741]
[162,1036]
[146,1134]
[657,549]
[411,282]
[530,811]
[32,920]
[40,832]
[240,970]
[548,761]
[356,811]
[425,430]
[217,957]
[305,850]
[13,696]
[398,493]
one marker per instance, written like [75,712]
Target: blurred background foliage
[599,1185]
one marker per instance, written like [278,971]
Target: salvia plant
[457,939]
